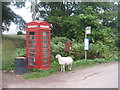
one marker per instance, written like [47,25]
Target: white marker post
[86,40]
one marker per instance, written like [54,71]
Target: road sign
[86,44]
[88,30]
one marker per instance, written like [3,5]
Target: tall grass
[10,44]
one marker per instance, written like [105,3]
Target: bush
[21,52]
[16,48]
[98,50]
[19,33]
[78,50]
[58,46]
[56,40]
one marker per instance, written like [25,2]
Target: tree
[9,16]
[19,33]
[33,10]
[70,19]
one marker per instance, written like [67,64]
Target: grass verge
[10,46]
[56,67]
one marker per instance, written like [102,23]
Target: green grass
[55,67]
[10,46]
[13,46]
[40,73]
[14,36]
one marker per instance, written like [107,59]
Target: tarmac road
[100,76]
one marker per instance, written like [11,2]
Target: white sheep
[64,61]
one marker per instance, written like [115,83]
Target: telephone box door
[45,49]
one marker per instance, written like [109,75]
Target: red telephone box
[38,45]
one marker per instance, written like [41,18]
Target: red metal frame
[41,30]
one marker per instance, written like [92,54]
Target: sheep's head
[57,56]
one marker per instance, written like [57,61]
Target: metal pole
[85,50]
[85,55]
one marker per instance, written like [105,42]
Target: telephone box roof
[38,21]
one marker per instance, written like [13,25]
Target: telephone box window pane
[45,46]
[31,42]
[45,55]
[32,55]
[32,59]
[45,37]
[31,33]
[31,37]
[45,42]
[45,33]
[32,64]
[31,46]
[45,50]
[45,59]
[45,63]
[31,51]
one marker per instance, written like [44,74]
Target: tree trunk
[33,10]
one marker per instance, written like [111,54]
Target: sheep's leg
[70,66]
[63,68]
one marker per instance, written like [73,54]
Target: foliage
[11,47]
[70,19]
[72,30]
[19,33]
[12,50]
[56,40]
[58,46]
[104,35]
[54,9]
[9,16]
[97,50]
[16,48]
[20,52]
[78,50]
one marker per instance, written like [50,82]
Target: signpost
[86,44]
[86,40]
